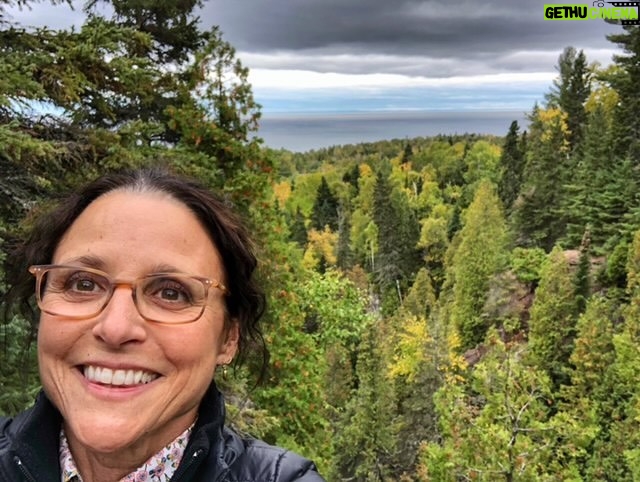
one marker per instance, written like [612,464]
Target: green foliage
[512,164]
[414,290]
[526,264]
[582,277]
[482,253]
[398,232]
[553,319]
[537,213]
[624,80]
[364,440]
[571,90]
[494,425]
[325,208]
[19,383]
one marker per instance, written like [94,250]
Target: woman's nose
[120,322]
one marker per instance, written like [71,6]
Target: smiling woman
[144,284]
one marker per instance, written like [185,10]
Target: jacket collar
[34,435]
[210,440]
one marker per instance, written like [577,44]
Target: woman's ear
[229,346]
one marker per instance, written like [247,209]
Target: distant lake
[303,132]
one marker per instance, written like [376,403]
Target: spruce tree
[512,164]
[298,229]
[325,208]
[570,92]
[582,277]
[538,215]
[597,195]
[625,81]
[398,234]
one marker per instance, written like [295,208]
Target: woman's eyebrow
[87,261]
[165,268]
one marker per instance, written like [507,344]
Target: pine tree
[582,277]
[344,254]
[298,229]
[325,208]
[538,215]
[615,453]
[398,233]
[351,177]
[512,163]
[570,92]
[625,81]
[601,190]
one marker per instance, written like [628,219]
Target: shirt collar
[159,467]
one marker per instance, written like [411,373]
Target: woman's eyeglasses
[80,293]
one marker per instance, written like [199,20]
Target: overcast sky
[354,55]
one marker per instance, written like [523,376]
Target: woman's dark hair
[246,301]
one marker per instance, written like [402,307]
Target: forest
[452,308]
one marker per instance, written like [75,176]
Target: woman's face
[129,235]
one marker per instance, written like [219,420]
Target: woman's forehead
[135,227]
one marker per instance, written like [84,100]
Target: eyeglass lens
[78,293]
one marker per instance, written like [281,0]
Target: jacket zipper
[23,469]
[187,464]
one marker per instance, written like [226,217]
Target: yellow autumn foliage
[321,244]
[282,192]
[456,363]
[410,349]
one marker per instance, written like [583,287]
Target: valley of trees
[456,308]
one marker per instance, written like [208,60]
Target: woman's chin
[104,434]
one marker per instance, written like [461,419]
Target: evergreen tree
[601,190]
[344,254]
[615,453]
[481,254]
[351,177]
[325,208]
[538,214]
[570,92]
[398,235]
[512,163]
[553,319]
[585,411]
[625,81]
[582,277]
[172,25]
[363,442]
[407,153]
[298,229]
[495,424]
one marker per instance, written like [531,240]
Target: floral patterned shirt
[159,468]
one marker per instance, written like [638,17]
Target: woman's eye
[83,282]
[171,294]
[168,291]
[83,285]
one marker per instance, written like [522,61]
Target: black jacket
[29,450]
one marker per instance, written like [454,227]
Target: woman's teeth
[107,376]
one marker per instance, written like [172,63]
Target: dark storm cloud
[468,31]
